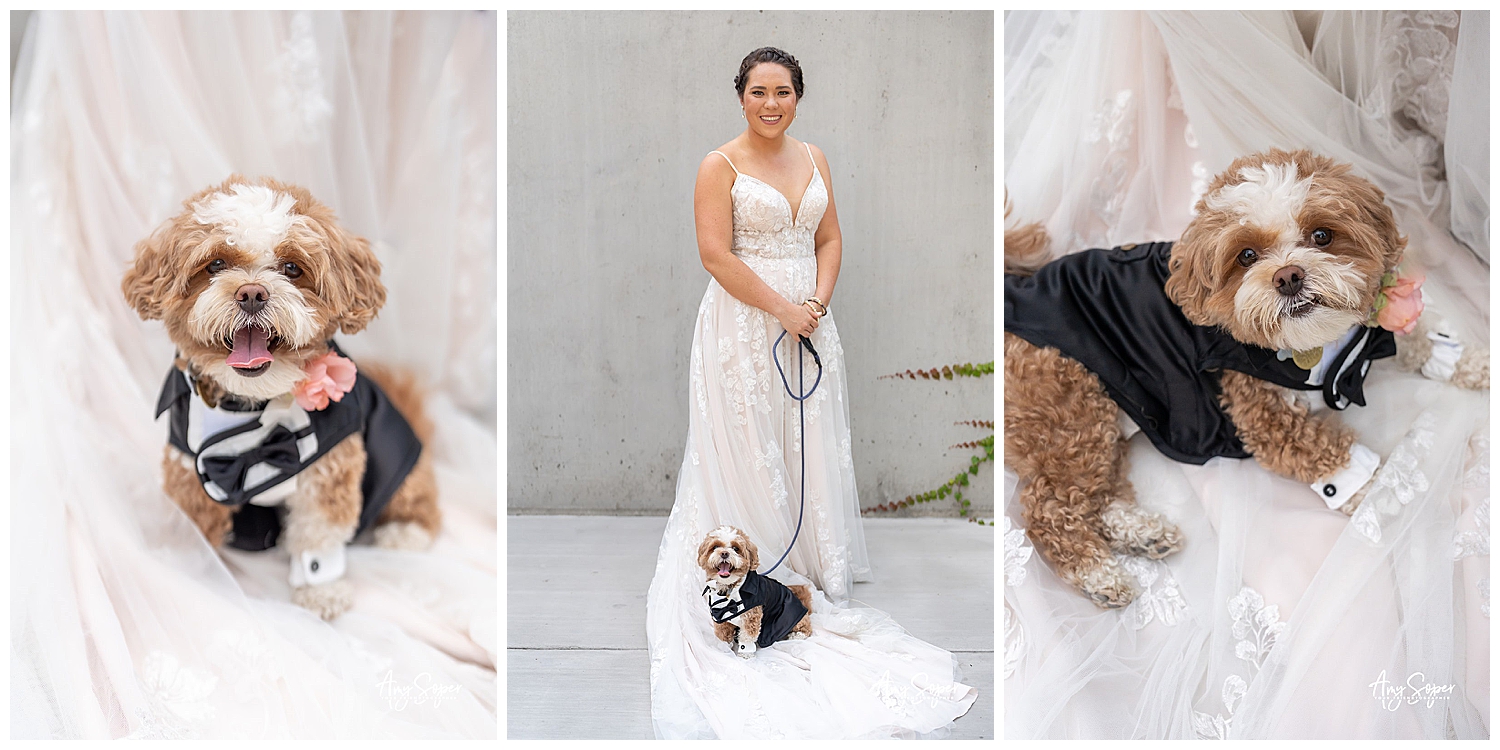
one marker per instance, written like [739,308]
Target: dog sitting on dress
[271,427]
[1210,346]
[749,610]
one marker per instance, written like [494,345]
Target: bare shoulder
[715,169]
[821,161]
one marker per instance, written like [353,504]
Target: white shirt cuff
[1445,353]
[1337,489]
[322,566]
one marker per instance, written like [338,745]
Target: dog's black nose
[252,298]
[1288,280]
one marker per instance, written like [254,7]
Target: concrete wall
[609,114]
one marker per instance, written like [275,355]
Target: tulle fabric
[859,674]
[124,622]
[1279,617]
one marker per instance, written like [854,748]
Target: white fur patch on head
[253,217]
[1270,197]
[725,534]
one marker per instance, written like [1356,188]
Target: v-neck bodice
[764,223]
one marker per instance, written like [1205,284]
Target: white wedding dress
[124,622]
[1279,618]
[859,674]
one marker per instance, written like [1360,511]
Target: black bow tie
[279,450]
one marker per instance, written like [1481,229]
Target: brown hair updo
[769,55]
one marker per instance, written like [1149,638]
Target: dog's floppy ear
[752,553]
[353,279]
[1192,280]
[705,547]
[156,274]
[1376,215]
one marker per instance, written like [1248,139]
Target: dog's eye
[1321,237]
[1247,257]
[216,265]
[291,270]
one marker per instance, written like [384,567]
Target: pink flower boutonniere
[328,377]
[1399,303]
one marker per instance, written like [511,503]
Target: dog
[749,610]
[274,435]
[1210,345]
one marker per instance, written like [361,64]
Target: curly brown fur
[1280,432]
[247,239]
[324,510]
[1062,437]
[1026,247]
[180,482]
[1331,234]
[804,626]
[727,545]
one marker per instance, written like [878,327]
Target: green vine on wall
[953,487]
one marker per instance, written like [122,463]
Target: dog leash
[803,342]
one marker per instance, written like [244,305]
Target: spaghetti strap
[726,158]
[810,158]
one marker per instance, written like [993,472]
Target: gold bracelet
[822,308]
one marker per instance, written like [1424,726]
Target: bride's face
[770,101]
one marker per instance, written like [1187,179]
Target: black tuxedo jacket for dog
[1108,310]
[782,609]
[391,450]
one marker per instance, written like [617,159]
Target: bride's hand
[798,320]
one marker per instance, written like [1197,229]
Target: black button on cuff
[314,565]
[1328,490]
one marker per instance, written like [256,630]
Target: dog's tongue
[249,348]
[724,569]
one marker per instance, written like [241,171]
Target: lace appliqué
[178,692]
[299,102]
[1256,628]
[1018,551]
[1417,66]
[1015,641]
[1153,603]
[1398,481]
[1477,541]
[1113,124]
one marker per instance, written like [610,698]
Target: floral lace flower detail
[328,377]
[1015,641]
[1018,550]
[1476,542]
[1162,603]
[1256,628]
[1397,482]
[181,689]
[1216,727]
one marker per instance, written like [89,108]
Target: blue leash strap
[801,399]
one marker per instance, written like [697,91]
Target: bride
[768,232]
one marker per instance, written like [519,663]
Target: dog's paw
[1133,531]
[1107,584]
[327,600]
[797,635]
[402,535]
[1473,369]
